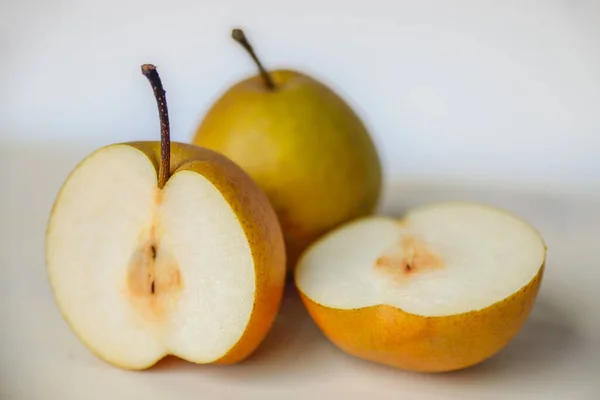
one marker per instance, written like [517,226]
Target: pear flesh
[444,288]
[195,269]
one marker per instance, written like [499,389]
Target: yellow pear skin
[302,144]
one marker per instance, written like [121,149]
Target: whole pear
[302,144]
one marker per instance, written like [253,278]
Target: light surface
[440,260]
[107,216]
[466,89]
[554,357]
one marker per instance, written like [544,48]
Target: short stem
[239,36]
[150,72]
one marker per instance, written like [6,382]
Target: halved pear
[158,249]
[444,288]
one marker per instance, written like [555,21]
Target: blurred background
[496,101]
[504,92]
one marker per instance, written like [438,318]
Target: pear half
[444,288]
[193,266]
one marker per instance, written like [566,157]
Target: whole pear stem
[150,72]
[239,36]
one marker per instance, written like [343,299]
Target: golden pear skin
[302,144]
[390,336]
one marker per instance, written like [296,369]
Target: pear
[444,288]
[302,144]
[160,248]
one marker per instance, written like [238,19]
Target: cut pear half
[195,269]
[445,287]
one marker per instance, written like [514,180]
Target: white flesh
[104,218]
[486,255]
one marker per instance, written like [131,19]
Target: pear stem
[150,72]
[239,36]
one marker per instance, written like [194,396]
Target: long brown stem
[239,36]
[150,72]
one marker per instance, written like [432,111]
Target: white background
[477,91]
